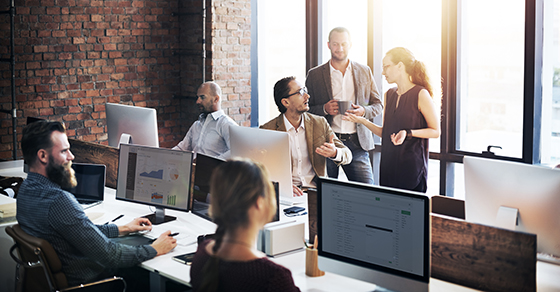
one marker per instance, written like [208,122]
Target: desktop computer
[375,234]
[517,196]
[155,176]
[131,125]
[272,149]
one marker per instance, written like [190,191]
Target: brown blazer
[317,132]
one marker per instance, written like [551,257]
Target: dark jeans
[359,169]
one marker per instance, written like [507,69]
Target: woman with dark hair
[409,120]
[242,201]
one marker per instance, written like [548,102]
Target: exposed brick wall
[74,56]
[231,56]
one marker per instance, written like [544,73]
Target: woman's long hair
[235,186]
[416,69]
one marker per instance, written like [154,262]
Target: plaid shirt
[46,211]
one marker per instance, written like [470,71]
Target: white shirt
[342,89]
[209,135]
[302,169]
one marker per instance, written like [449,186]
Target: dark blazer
[319,86]
[317,132]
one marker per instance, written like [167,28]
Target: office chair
[42,269]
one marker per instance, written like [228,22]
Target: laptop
[91,184]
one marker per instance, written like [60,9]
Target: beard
[340,56]
[61,174]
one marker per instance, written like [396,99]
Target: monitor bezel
[427,230]
[151,203]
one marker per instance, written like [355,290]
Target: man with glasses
[312,140]
[340,86]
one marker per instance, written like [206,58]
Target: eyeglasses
[387,66]
[301,91]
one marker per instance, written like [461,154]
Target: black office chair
[42,269]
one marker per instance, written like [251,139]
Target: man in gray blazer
[344,82]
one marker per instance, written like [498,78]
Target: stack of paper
[7,207]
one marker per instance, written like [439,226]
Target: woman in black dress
[409,120]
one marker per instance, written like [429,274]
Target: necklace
[250,246]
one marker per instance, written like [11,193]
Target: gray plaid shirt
[46,211]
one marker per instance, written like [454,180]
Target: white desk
[548,275]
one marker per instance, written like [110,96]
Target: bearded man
[46,211]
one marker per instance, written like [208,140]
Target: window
[491,75]
[281,49]
[353,17]
[550,128]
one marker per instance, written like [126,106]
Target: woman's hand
[398,138]
[354,118]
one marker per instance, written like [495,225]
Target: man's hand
[164,243]
[357,110]
[297,191]
[138,224]
[331,107]
[327,149]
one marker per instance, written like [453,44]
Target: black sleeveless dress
[404,166]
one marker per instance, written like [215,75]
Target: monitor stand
[159,216]
[507,217]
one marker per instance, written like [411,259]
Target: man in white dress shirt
[210,133]
[341,80]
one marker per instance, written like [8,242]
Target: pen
[173,234]
[118,217]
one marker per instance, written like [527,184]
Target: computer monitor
[138,124]
[203,168]
[496,191]
[375,234]
[272,149]
[155,176]
[91,182]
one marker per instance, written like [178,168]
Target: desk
[163,267]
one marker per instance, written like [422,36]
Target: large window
[491,74]
[281,49]
[550,130]
[353,17]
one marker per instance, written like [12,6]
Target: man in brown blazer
[312,140]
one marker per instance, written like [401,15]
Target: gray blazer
[318,84]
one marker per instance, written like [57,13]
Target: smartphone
[185,258]
[293,210]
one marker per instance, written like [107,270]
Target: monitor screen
[203,168]
[272,149]
[91,182]
[138,122]
[154,176]
[376,234]
[534,191]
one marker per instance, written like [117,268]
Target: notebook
[91,184]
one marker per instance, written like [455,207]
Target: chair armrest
[115,284]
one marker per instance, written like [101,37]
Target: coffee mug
[343,106]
